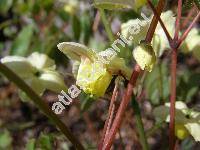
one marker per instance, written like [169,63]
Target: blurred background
[28,26]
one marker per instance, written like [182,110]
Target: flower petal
[35,84]
[145,56]
[194,130]
[75,50]
[41,61]
[93,78]
[191,41]
[159,36]
[162,113]
[19,65]
[52,80]
[135,30]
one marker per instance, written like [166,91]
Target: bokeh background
[28,26]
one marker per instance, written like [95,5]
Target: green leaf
[76,25]
[197,2]
[86,28]
[46,142]
[114,4]
[5,139]
[5,5]
[157,84]
[21,44]
[30,145]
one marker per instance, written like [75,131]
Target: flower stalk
[135,74]
[41,104]
[124,103]
[174,44]
[172,99]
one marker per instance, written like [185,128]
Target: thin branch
[96,22]
[109,122]
[120,113]
[189,16]
[109,119]
[135,74]
[178,19]
[154,22]
[106,25]
[160,21]
[41,104]
[185,34]
[172,100]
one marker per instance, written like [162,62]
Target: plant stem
[135,74]
[160,21]
[110,115]
[173,99]
[139,123]
[178,19]
[96,22]
[185,34]
[120,113]
[154,21]
[106,25]
[187,19]
[173,78]
[41,104]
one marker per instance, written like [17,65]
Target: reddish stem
[172,100]
[110,116]
[154,22]
[122,108]
[178,19]
[173,73]
[135,74]
[187,19]
[185,34]
[160,20]
[109,123]
[173,78]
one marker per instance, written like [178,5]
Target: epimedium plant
[163,33]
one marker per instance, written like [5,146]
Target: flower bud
[145,56]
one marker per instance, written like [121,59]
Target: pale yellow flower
[38,70]
[93,75]
[145,56]
[192,43]
[160,42]
[187,121]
